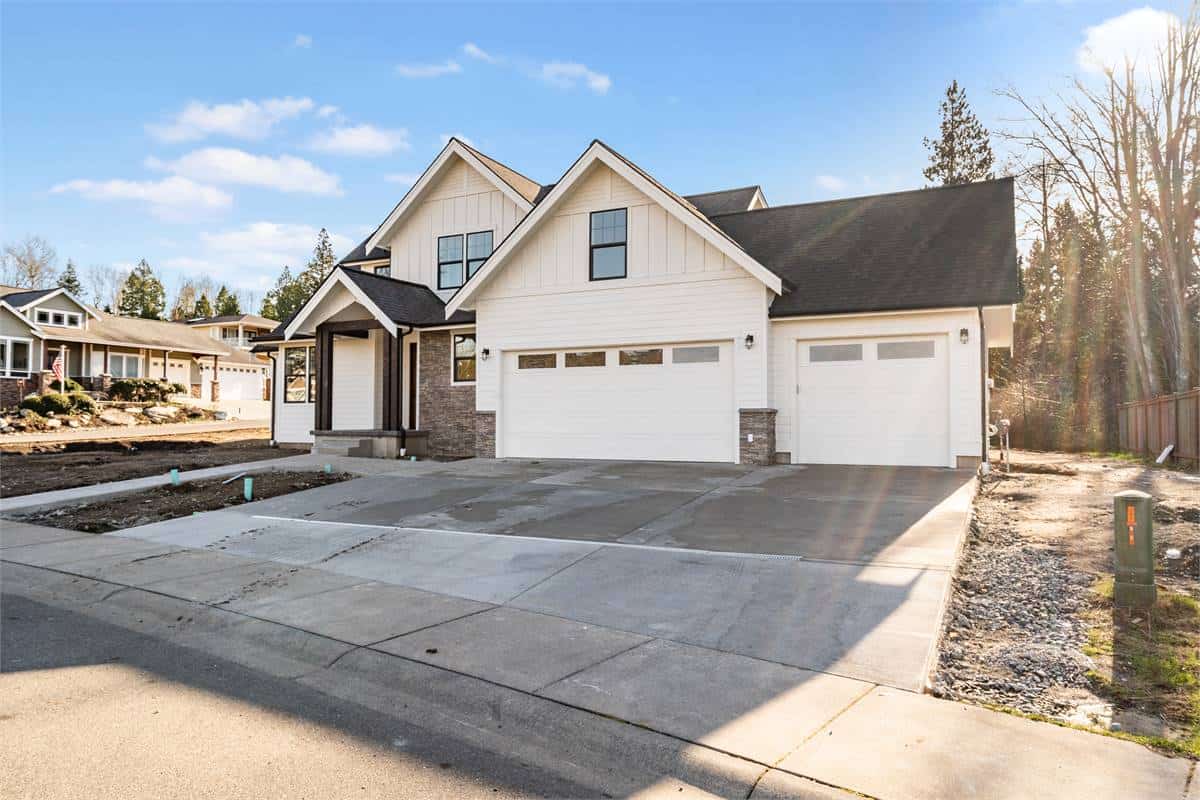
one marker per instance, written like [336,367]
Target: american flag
[57,367]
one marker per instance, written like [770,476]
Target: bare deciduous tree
[29,264]
[104,284]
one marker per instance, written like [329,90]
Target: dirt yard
[170,502]
[1031,625]
[30,468]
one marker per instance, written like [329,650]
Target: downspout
[984,466]
[274,373]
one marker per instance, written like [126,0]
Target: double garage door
[666,402]
[873,401]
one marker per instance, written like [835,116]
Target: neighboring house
[606,317]
[234,330]
[38,325]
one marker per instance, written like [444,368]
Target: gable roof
[360,253]
[725,201]
[945,247]
[675,205]
[33,329]
[251,319]
[22,299]
[515,186]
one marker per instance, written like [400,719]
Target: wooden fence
[1148,426]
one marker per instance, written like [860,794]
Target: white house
[604,316]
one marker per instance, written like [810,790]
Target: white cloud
[361,140]
[230,166]
[568,75]
[475,51]
[832,183]
[268,244]
[444,139]
[327,111]
[245,120]
[302,40]
[174,198]
[402,178]
[1135,35]
[428,70]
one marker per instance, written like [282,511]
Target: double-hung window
[607,259]
[124,365]
[300,375]
[464,358]
[14,357]
[456,263]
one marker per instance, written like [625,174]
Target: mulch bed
[170,502]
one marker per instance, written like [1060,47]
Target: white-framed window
[15,356]
[462,358]
[385,272]
[63,319]
[125,365]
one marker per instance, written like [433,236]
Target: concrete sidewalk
[570,695]
[132,431]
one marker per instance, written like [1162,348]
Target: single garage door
[660,402]
[873,401]
[241,383]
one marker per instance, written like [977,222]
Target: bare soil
[1031,625]
[169,502]
[30,468]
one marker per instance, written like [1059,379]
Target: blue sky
[215,139]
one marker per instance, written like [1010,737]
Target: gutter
[274,388]
[984,467]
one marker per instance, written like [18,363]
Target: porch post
[166,353]
[324,409]
[393,373]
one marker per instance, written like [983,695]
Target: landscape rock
[162,412]
[132,410]
[53,423]
[112,416]
[72,423]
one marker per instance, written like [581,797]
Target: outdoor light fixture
[963,335]
[484,353]
[749,340]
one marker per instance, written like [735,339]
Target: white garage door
[662,402]
[873,401]
[241,383]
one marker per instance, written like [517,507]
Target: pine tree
[285,298]
[69,280]
[143,294]
[320,265]
[963,152]
[203,308]
[227,303]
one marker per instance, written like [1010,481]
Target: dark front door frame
[412,386]
[392,384]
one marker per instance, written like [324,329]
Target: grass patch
[1174,747]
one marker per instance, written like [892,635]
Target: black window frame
[309,373]
[592,248]
[470,273]
[455,357]
[383,272]
[462,260]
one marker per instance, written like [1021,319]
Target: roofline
[361,261]
[34,329]
[54,293]
[135,345]
[481,154]
[886,311]
[722,191]
[868,196]
[337,275]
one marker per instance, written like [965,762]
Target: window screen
[537,361]
[696,355]
[835,352]
[591,358]
[917,349]
[630,357]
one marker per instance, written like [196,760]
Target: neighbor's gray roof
[251,319]
[725,201]
[928,248]
[18,297]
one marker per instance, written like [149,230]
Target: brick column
[485,434]
[759,424]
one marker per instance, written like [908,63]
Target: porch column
[324,410]
[166,354]
[215,392]
[393,383]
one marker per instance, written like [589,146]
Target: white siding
[293,421]
[354,383]
[963,364]
[460,201]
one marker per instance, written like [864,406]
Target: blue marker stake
[175,477]
[248,491]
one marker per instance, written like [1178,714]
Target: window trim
[462,260]
[39,313]
[6,370]
[467,253]
[592,248]
[455,358]
[125,359]
[310,357]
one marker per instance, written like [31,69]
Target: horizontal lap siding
[963,364]
[293,421]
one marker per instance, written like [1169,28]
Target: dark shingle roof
[928,248]
[360,253]
[726,201]
[20,297]
[250,319]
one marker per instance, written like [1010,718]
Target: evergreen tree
[285,298]
[320,265]
[203,308]
[69,280]
[963,152]
[143,294]
[227,303]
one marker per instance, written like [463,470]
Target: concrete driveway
[839,570]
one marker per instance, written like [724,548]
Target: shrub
[143,390]
[46,404]
[81,402]
[72,386]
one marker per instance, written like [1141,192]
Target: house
[39,325]
[604,316]
[234,330]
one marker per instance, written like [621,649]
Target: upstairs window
[66,319]
[450,262]
[607,259]
[386,272]
[479,247]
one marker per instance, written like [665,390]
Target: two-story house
[604,316]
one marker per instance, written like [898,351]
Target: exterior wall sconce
[749,340]
[963,335]
[485,353]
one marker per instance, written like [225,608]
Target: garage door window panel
[590,358]
[464,358]
[608,239]
[830,353]
[537,361]
[639,357]
[896,350]
[709,354]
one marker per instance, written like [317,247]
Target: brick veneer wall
[13,390]
[761,423]
[447,411]
[485,434]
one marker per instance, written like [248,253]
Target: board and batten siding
[460,201]
[963,365]
[678,289]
